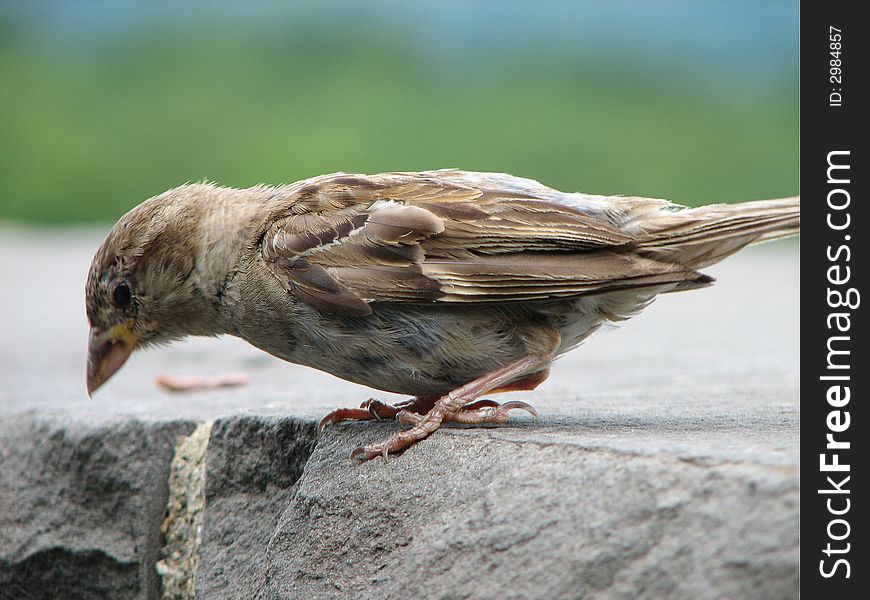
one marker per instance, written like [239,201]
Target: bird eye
[122,295]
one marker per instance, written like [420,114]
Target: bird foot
[475,413]
[426,414]
[374,409]
[480,412]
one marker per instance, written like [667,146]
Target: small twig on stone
[172,383]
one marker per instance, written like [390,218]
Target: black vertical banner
[835,259]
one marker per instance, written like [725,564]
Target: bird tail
[699,237]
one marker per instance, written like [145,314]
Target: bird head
[142,287]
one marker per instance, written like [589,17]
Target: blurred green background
[103,104]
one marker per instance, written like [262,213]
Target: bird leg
[524,384]
[459,406]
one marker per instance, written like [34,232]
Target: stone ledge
[471,513]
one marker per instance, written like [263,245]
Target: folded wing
[340,242]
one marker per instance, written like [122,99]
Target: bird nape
[441,285]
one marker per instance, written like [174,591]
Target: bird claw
[359,451]
[521,406]
[381,411]
[372,450]
[488,411]
[343,414]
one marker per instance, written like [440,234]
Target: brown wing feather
[342,241]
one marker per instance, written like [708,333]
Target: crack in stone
[182,527]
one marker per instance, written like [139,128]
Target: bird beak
[107,353]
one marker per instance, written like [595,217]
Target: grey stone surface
[251,467]
[471,515]
[81,506]
[665,462]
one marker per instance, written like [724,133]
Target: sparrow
[442,285]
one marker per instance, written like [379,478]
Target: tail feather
[699,237]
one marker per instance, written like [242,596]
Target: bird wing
[340,242]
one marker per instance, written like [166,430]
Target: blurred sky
[103,104]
